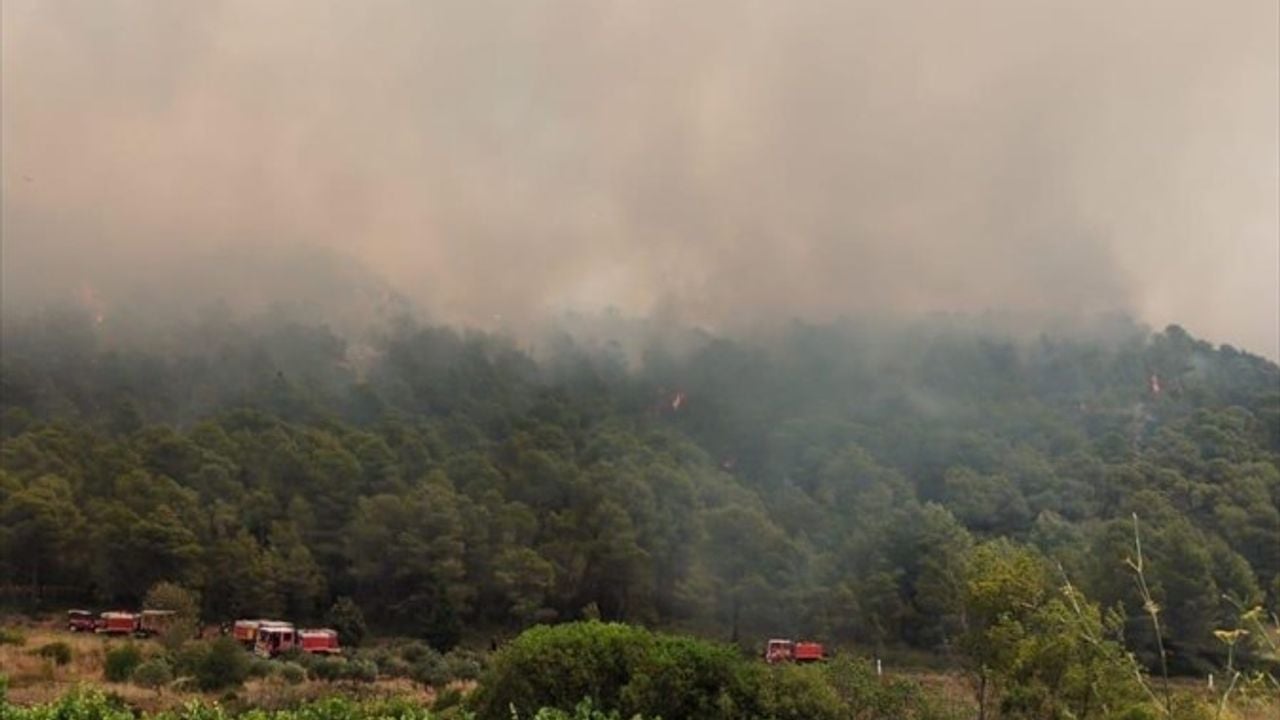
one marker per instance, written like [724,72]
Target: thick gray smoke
[723,161]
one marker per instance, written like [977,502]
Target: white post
[880,670]
[1210,681]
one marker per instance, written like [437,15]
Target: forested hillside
[824,480]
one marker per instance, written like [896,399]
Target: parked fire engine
[319,641]
[155,622]
[81,621]
[245,632]
[274,637]
[117,623]
[780,651]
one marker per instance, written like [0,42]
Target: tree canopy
[825,480]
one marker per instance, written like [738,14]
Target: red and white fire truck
[780,651]
[117,623]
[319,641]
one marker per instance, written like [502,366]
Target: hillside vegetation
[827,481]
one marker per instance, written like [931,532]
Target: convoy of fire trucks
[147,623]
[267,638]
[270,638]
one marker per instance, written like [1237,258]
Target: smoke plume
[723,162]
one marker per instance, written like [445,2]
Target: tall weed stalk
[1137,563]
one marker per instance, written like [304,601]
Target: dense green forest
[818,480]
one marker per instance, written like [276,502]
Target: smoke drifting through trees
[720,162]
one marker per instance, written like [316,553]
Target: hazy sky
[723,160]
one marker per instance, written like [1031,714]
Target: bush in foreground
[59,652]
[154,674]
[326,669]
[292,673]
[619,667]
[633,672]
[120,662]
[583,711]
[870,696]
[222,664]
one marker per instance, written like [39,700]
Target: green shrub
[629,671]
[584,710]
[395,667]
[81,704]
[154,673]
[426,666]
[692,677]
[184,603]
[292,672]
[120,662]
[360,670]
[462,664]
[621,667]
[389,663]
[186,659]
[223,664]
[260,667]
[415,650]
[59,652]
[797,692]
[430,670]
[12,636]
[875,698]
[306,660]
[448,697]
[327,669]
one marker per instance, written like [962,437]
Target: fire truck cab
[274,637]
[777,651]
[81,621]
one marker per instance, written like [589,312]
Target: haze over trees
[837,481]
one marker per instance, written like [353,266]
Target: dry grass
[34,679]
[954,692]
[24,666]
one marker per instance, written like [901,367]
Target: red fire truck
[81,621]
[155,622]
[117,623]
[319,641]
[779,651]
[245,632]
[274,637]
